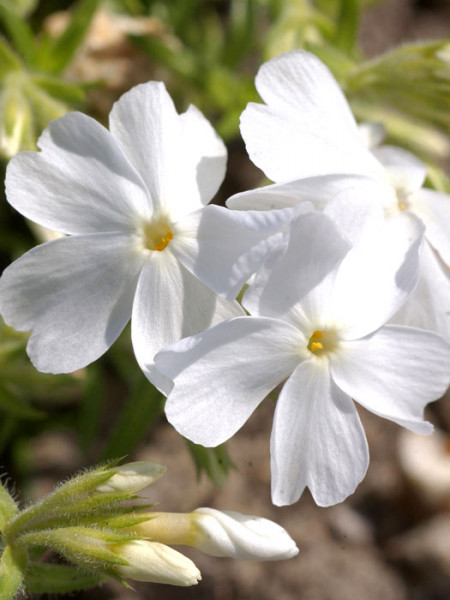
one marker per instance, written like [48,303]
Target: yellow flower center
[402,199]
[157,234]
[322,342]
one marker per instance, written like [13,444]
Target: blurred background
[391,539]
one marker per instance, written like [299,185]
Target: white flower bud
[233,534]
[152,561]
[132,477]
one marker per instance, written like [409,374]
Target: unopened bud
[230,533]
[132,477]
[152,561]
[220,533]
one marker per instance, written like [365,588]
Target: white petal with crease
[307,127]
[223,248]
[80,182]
[394,373]
[76,294]
[317,439]
[428,307]
[223,374]
[376,278]
[295,284]
[171,304]
[434,210]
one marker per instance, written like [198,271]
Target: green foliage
[214,462]
[11,573]
[58,579]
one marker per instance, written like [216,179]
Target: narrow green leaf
[241,34]
[19,31]
[142,407]
[16,406]
[68,43]
[347,26]
[91,406]
[11,574]
[43,578]
[9,61]
[214,462]
[63,90]
[8,427]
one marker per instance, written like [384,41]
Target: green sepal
[8,508]
[85,511]
[43,578]
[63,498]
[84,546]
[12,566]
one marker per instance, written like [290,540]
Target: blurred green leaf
[241,29]
[14,405]
[142,408]
[58,88]
[92,403]
[347,26]
[25,7]
[19,31]
[58,579]
[9,61]
[64,48]
[214,462]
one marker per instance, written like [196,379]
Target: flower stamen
[157,235]
[322,342]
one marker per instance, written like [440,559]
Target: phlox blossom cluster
[346,256]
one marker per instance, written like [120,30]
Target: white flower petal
[171,304]
[434,210]
[75,293]
[223,374]
[406,171]
[428,307]
[295,282]
[223,248]
[307,127]
[317,439]
[372,133]
[394,373]
[147,127]
[376,278]
[180,157]
[318,190]
[205,153]
[80,182]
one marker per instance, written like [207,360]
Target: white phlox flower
[319,307]
[140,242]
[305,139]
